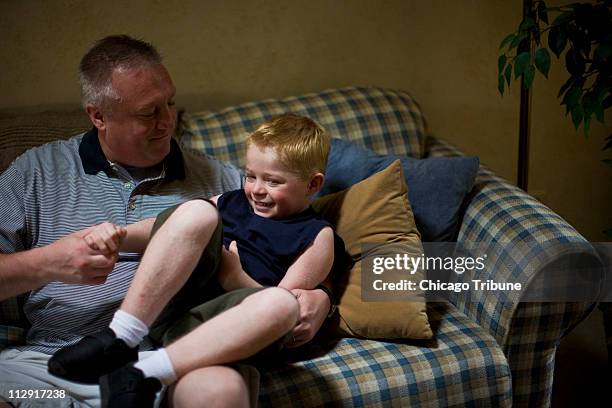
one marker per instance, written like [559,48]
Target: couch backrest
[19,133]
[384,120]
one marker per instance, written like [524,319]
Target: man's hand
[72,260]
[105,237]
[314,307]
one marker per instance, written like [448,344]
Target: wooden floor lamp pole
[525,107]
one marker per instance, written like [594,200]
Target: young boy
[272,237]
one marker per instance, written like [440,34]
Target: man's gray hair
[105,56]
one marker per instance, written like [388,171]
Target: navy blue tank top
[267,247]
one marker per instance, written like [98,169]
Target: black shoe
[92,357]
[127,387]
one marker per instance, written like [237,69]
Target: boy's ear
[315,183]
[95,116]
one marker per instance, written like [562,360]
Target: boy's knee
[218,386]
[281,304]
[195,216]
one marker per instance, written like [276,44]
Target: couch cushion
[376,212]
[436,186]
[384,120]
[464,366]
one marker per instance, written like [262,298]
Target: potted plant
[581,35]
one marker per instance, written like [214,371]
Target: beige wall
[444,52]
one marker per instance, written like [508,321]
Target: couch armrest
[529,244]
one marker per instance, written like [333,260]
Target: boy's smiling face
[272,190]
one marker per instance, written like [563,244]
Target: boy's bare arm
[307,272]
[109,238]
[313,265]
[138,236]
[68,260]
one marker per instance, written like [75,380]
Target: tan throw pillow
[374,219]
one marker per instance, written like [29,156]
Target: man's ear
[96,116]
[315,183]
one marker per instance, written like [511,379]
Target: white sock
[158,365]
[128,328]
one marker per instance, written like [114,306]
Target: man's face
[137,129]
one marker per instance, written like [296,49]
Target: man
[126,169]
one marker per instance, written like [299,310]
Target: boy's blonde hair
[301,144]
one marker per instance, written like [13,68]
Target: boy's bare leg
[169,259]
[237,333]
[196,358]
[168,262]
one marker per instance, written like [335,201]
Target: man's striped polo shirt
[65,186]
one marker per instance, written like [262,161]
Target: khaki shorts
[201,298]
[199,288]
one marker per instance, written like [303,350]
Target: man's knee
[219,386]
[280,304]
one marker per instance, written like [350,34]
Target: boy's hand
[106,238]
[231,276]
[231,259]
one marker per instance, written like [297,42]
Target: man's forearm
[21,272]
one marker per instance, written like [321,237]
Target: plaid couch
[488,350]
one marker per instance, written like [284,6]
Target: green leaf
[608,144]
[601,88]
[520,63]
[579,39]
[588,103]
[600,92]
[602,52]
[577,115]
[528,76]
[527,23]
[501,63]
[508,73]
[574,62]
[507,40]
[557,40]
[500,84]
[587,125]
[599,112]
[542,13]
[517,40]
[565,86]
[542,61]
[563,18]
[572,97]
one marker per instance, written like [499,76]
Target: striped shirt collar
[93,159]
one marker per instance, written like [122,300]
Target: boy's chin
[266,213]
